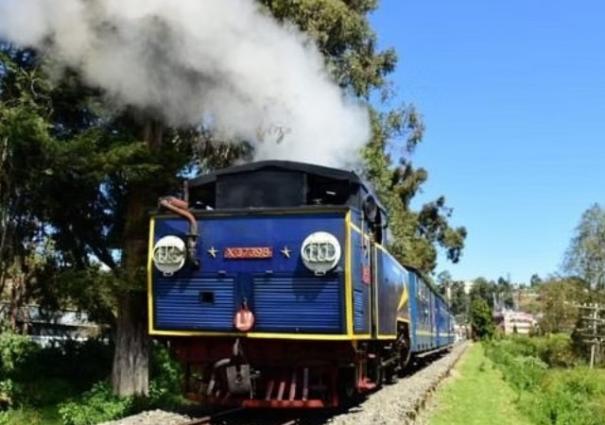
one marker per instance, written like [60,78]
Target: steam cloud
[223,63]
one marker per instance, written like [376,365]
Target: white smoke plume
[223,63]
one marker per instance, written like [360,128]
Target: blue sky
[513,96]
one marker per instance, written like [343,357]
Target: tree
[85,180]
[504,293]
[485,290]
[460,301]
[416,234]
[444,277]
[585,256]
[558,299]
[535,280]
[482,322]
[26,252]
[444,281]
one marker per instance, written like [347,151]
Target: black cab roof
[277,184]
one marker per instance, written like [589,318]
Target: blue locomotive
[272,283]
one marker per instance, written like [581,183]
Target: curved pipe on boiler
[181,207]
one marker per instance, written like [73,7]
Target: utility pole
[592,330]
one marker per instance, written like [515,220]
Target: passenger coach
[273,284]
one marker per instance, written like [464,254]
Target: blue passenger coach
[274,287]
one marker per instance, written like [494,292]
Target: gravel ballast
[151,417]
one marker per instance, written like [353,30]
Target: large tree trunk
[130,371]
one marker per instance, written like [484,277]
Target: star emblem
[286,252]
[212,251]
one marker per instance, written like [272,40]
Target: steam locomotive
[273,285]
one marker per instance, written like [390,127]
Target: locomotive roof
[349,186]
[319,170]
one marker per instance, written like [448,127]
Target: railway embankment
[475,393]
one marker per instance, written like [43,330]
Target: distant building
[512,322]
[462,332]
[44,326]
[468,285]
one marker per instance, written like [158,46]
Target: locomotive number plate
[240,253]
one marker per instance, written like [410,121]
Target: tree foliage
[558,299]
[482,322]
[460,300]
[25,249]
[497,294]
[585,256]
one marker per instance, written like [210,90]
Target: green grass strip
[476,394]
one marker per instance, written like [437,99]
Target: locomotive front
[261,284]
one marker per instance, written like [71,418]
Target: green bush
[16,354]
[20,417]
[165,386]
[550,391]
[99,404]
[94,406]
[568,397]
[37,376]
[80,363]
[555,350]
[34,376]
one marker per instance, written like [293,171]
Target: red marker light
[243,320]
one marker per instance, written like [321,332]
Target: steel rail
[208,419]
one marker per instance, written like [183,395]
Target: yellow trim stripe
[386,337]
[262,335]
[355,227]
[348,277]
[426,333]
[358,230]
[374,293]
[383,249]
[362,336]
[150,274]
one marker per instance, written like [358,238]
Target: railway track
[241,416]
[210,419]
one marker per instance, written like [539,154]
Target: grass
[29,416]
[476,395]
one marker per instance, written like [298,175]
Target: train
[272,284]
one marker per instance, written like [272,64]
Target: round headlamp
[169,254]
[320,252]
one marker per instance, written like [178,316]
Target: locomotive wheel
[405,355]
[391,375]
[378,374]
[347,393]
